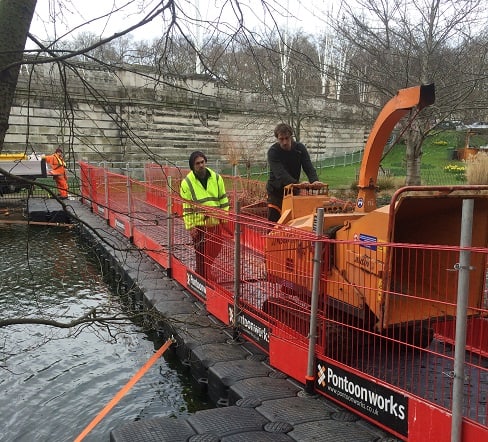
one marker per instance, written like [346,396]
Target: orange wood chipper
[367,277]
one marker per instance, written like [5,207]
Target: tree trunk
[413,141]
[15,21]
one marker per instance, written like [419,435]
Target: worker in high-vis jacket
[203,187]
[58,171]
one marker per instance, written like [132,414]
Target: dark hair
[283,128]
[194,156]
[59,150]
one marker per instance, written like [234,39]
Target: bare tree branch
[89,317]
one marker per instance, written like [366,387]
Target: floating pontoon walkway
[253,401]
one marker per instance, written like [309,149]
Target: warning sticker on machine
[368,239]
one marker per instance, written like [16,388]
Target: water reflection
[53,381]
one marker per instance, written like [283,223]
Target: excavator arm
[390,115]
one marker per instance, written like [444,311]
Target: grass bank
[439,163]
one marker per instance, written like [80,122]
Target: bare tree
[380,47]
[16,17]
[171,54]
[402,43]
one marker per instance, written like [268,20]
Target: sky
[54,18]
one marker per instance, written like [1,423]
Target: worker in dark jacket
[205,187]
[286,159]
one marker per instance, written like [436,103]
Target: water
[53,381]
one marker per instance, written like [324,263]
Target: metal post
[169,214]
[235,197]
[461,318]
[237,270]
[317,267]
[129,212]
[105,184]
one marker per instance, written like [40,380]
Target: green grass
[438,151]
[339,176]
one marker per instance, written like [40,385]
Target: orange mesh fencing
[386,311]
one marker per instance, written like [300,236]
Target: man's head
[284,134]
[59,151]
[198,162]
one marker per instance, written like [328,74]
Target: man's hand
[315,184]
[318,185]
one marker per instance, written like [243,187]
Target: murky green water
[53,381]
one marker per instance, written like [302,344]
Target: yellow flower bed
[458,171]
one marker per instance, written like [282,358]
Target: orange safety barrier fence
[386,311]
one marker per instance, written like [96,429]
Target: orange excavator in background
[387,289]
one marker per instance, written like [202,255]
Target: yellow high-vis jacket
[191,189]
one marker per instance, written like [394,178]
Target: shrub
[477,168]
[386,183]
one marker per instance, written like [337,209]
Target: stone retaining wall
[133,116]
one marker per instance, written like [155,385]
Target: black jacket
[286,166]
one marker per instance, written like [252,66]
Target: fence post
[235,174]
[169,218]
[105,188]
[463,268]
[312,337]
[237,270]
[129,212]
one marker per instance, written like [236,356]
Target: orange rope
[124,390]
